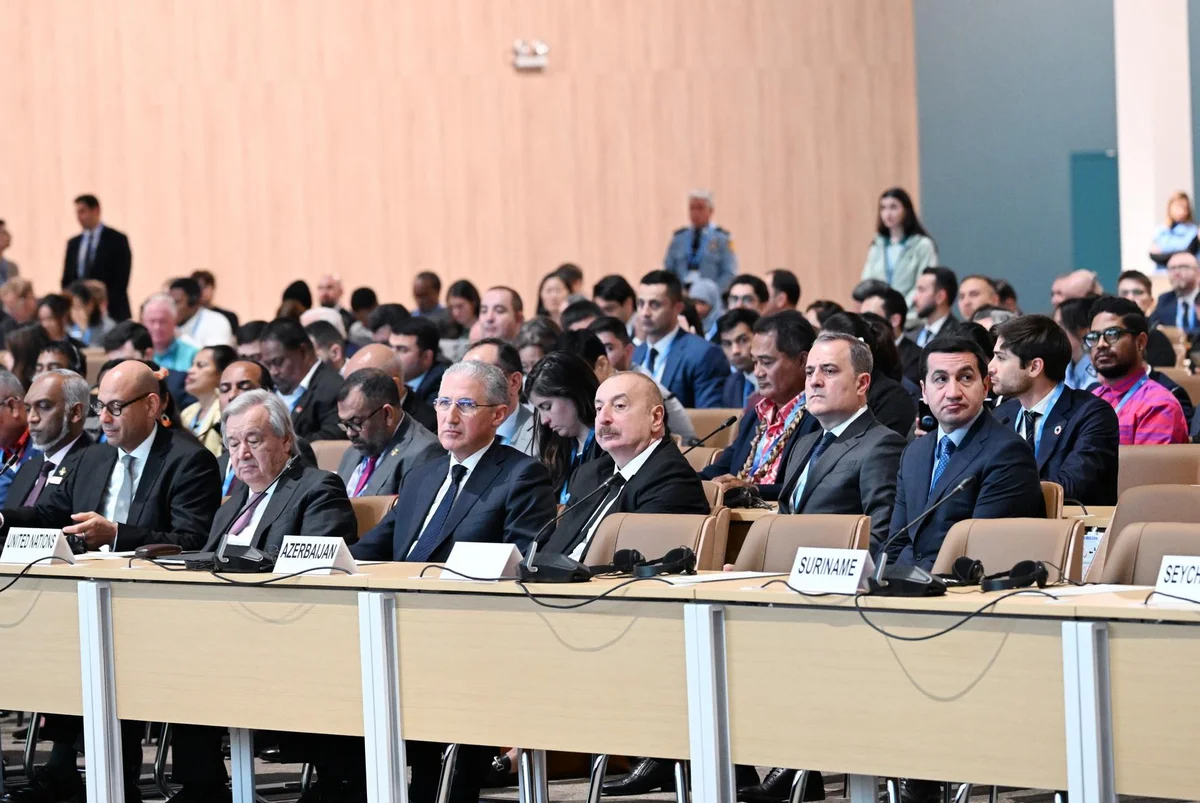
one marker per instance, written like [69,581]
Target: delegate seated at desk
[56,406]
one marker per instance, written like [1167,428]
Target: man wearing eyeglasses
[1146,411]
[387,444]
[381,356]
[15,449]
[146,485]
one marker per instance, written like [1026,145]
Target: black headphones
[968,572]
[681,560]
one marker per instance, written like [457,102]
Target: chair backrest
[1177,464]
[370,510]
[329,453]
[1136,558]
[95,359]
[1148,503]
[1187,381]
[1001,543]
[772,541]
[701,456]
[706,420]
[1052,495]
[714,493]
[656,534]
[1179,342]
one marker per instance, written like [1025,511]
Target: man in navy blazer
[986,465]
[1177,306]
[735,330]
[1073,434]
[693,369]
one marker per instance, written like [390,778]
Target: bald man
[652,475]
[378,355]
[329,294]
[1076,284]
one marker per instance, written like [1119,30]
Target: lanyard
[577,458]
[1130,392]
[764,448]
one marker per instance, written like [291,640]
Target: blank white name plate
[1179,576]
[314,554]
[27,544]
[479,561]
[818,570]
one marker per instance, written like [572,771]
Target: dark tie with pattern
[618,482]
[36,491]
[818,450]
[945,450]
[1031,419]
[653,359]
[431,536]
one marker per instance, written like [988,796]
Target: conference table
[1078,691]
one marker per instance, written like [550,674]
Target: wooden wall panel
[269,140]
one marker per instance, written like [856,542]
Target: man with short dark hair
[785,290]
[1072,315]
[208,288]
[129,339]
[194,321]
[56,409]
[1135,286]
[307,386]
[249,336]
[15,449]
[749,292]
[976,291]
[1073,435]
[427,293]
[735,330]
[615,296]
[99,252]
[580,314]
[687,365]
[1008,296]
[889,304]
[385,319]
[416,345]
[501,313]
[933,298]
[516,430]
[328,343]
[572,276]
[363,302]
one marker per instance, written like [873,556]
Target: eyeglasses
[1111,335]
[115,408]
[354,426]
[467,407]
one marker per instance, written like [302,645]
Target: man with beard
[1147,411]
[56,407]
[936,290]
[14,433]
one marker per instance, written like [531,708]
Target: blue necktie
[432,535]
[945,449]
[813,456]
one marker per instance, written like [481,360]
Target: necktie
[1031,419]
[125,494]
[32,497]
[364,476]
[1181,315]
[87,254]
[945,449]
[813,456]
[653,359]
[431,537]
[594,520]
[926,336]
[243,521]
[696,234]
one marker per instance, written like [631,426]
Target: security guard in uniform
[702,249]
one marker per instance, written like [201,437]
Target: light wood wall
[268,140]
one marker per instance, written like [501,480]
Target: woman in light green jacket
[902,248]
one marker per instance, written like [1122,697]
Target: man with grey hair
[703,248]
[849,466]
[990,315]
[170,351]
[56,408]
[1076,284]
[279,495]
[482,491]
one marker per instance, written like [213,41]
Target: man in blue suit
[969,446]
[690,367]
[735,329]
[1073,434]
[1177,306]
[703,248]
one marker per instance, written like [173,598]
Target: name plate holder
[24,545]
[479,561]
[821,570]
[314,554]
[1179,576]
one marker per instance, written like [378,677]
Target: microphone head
[963,484]
[729,422]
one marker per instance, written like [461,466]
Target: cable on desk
[537,598]
[802,593]
[863,615]
[280,578]
[1146,601]
[1062,576]
[25,570]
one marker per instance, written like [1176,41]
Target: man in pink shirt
[1147,411]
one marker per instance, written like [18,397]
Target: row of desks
[721,673]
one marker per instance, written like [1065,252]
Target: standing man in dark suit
[381,356]
[968,444]
[99,252]
[387,444]
[735,330]
[482,491]
[56,406]
[417,348]
[1177,306]
[933,299]
[890,305]
[146,485]
[1073,435]
[687,365]
[307,386]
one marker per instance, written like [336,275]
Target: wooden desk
[1098,515]
[39,630]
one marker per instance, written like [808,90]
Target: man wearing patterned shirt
[1147,411]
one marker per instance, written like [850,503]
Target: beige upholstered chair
[329,453]
[1136,558]
[701,456]
[370,510]
[1052,494]
[772,541]
[714,493]
[1177,464]
[706,420]
[655,534]
[1001,543]
[1149,503]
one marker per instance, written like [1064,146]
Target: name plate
[1179,576]
[818,570]
[482,561]
[314,554]
[27,544]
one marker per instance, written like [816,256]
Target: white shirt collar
[936,326]
[842,427]
[638,461]
[61,454]
[1043,403]
[959,434]
[143,449]
[308,377]
[665,342]
[471,460]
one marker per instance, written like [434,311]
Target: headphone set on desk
[1024,574]
[681,560]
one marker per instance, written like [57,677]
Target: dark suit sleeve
[708,376]
[877,485]
[1010,486]
[678,490]
[327,423]
[530,505]
[306,452]
[895,409]
[326,512]
[193,499]
[122,262]
[1159,351]
[376,544]
[899,516]
[1092,456]
[53,508]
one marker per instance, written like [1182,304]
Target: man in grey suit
[516,430]
[848,466]
[387,444]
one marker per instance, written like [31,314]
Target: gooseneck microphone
[909,581]
[729,422]
[558,568]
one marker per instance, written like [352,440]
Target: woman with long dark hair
[562,389]
[203,417]
[24,346]
[553,297]
[901,248]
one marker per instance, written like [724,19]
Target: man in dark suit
[889,304]
[687,365]
[517,429]
[1001,473]
[307,386]
[735,330]
[1177,306]
[146,485]
[647,472]
[416,345]
[381,356]
[56,406]
[99,252]
[15,446]
[1073,435]
[483,491]
[933,298]
[278,496]
[387,444]
[770,429]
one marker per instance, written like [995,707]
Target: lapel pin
[1058,430]
[298,410]
[395,451]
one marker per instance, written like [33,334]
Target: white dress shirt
[290,399]
[207,328]
[60,455]
[117,478]
[631,468]
[246,536]
[837,433]
[469,463]
[663,347]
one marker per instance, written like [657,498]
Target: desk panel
[39,628]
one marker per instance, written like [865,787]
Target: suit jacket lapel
[481,479]
[389,458]
[674,359]
[1053,427]
[150,473]
[223,520]
[794,465]
[833,454]
[959,461]
[281,497]
[426,488]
